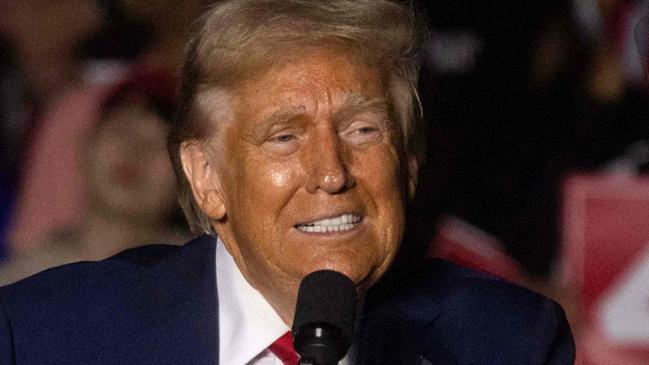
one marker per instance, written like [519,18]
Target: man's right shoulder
[93,277]
[107,312]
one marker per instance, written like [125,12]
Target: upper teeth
[342,222]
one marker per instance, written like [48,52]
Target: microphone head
[324,314]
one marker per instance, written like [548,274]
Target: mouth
[340,223]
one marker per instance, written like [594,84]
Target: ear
[202,179]
[413,174]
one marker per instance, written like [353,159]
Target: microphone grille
[326,296]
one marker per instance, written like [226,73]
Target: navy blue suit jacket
[158,305]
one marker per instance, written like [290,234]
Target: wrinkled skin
[308,139]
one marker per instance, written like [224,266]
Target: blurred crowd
[522,94]
[87,92]
[518,94]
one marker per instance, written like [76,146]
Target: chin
[360,273]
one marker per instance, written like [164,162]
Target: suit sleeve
[559,345]
[7,355]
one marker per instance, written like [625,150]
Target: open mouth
[341,223]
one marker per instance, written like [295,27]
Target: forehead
[300,80]
[327,75]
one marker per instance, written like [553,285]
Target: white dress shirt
[248,324]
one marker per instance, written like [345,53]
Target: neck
[284,305]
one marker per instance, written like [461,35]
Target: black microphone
[323,325]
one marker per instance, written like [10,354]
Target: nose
[329,171]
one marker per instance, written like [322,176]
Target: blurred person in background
[554,88]
[149,34]
[478,63]
[134,35]
[38,61]
[588,99]
[168,22]
[587,108]
[551,91]
[45,36]
[126,186]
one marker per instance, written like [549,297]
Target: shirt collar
[248,324]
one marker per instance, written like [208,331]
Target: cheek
[258,192]
[279,178]
[266,185]
[379,171]
[262,206]
[380,177]
[264,175]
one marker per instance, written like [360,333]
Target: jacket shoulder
[450,285]
[477,317]
[121,274]
[81,275]
[108,311]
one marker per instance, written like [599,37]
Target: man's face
[309,172]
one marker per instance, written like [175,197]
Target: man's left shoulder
[480,300]
[478,318]
[454,286]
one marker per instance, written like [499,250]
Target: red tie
[283,349]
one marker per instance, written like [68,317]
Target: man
[297,146]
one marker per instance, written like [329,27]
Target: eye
[366,130]
[283,138]
[362,133]
[282,143]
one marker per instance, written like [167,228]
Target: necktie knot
[284,350]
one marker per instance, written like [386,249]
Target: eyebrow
[353,103]
[278,117]
[359,103]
